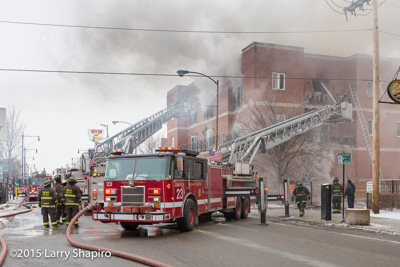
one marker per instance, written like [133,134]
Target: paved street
[217,243]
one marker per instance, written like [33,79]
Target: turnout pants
[46,212]
[63,214]
[71,211]
[337,202]
[301,204]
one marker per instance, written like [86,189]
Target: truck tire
[188,221]
[245,208]
[238,210]
[129,226]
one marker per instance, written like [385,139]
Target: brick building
[290,77]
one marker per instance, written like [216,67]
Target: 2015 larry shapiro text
[51,254]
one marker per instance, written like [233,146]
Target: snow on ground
[395,214]
[11,206]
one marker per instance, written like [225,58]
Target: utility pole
[358,5]
[375,137]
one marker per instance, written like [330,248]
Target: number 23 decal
[109,184]
[179,193]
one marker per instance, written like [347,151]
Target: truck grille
[132,195]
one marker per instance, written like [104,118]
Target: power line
[171,30]
[397,35]
[175,75]
[333,8]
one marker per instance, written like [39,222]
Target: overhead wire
[174,75]
[172,30]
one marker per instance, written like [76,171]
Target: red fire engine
[34,185]
[172,185]
[22,186]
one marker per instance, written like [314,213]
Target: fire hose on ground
[113,252]
[3,252]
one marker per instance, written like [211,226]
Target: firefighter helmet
[72,180]
[64,182]
[299,183]
[336,180]
[46,183]
[57,178]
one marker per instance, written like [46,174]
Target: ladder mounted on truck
[248,146]
[363,125]
[134,135]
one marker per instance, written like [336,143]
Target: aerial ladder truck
[123,142]
[175,185]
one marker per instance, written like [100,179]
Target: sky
[61,107]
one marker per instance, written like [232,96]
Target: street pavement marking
[199,230]
[377,239]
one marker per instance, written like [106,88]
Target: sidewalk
[387,222]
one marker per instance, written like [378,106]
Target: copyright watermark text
[48,253]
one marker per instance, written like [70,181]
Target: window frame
[370,87]
[277,80]
[237,97]
[278,117]
[372,125]
[194,136]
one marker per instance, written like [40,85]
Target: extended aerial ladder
[136,134]
[363,125]
[246,147]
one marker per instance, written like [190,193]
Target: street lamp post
[115,122]
[105,126]
[181,73]
[22,159]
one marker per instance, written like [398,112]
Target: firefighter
[58,189]
[345,98]
[337,194]
[63,214]
[301,195]
[47,200]
[72,200]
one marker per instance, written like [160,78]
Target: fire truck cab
[173,185]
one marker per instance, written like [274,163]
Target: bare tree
[12,145]
[151,144]
[301,158]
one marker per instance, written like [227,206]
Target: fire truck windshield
[139,169]
[37,181]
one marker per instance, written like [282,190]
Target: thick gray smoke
[213,54]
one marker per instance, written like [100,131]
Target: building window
[278,81]
[398,129]
[172,141]
[369,89]
[193,142]
[237,95]
[279,118]
[208,138]
[209,112]
[369,127]
[193,113]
